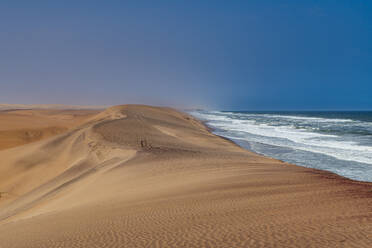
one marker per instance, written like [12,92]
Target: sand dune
[19,127]
[140,176]
[4,106]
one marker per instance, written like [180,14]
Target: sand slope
[19,127]
[140,176]
[4,106]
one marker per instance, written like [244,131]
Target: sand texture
[48,106]
[19,127]
[140,176]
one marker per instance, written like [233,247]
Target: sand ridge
[141,176]
[19,127]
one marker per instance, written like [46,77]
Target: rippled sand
[140,176]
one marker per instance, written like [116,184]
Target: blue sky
[252,55]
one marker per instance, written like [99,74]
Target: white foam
[291,137]
[317,119]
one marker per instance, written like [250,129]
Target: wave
[305,118]
[289,135]
[310,118]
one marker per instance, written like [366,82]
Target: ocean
[340,142]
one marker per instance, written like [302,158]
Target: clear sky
[252,55]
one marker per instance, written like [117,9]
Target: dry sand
[140,176]
[19,127]
[49,106]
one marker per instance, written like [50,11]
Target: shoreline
[211,130]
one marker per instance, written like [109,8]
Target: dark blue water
[340,142]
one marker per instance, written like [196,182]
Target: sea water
[340,142]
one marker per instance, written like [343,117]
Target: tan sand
[19,127]
[140,176]
[49,106]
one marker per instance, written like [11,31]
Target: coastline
[154,176]
[211,130]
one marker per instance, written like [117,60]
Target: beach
[335,141]
[142,176]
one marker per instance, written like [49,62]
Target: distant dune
[19,127]
[141,176]
[47,106]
